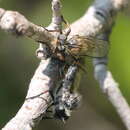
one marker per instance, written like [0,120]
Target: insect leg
[68,29]
[37,96]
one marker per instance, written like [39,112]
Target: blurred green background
[18,63]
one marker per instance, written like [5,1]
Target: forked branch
[97,22]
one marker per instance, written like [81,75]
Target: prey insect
[65,99]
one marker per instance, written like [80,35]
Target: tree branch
[110,88]
[16,23]
[97,21]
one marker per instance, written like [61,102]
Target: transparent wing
[90,46]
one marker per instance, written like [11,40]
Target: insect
[77,46]
[71,50]
[65,98]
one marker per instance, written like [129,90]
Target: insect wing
[88,46]
[97,47]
